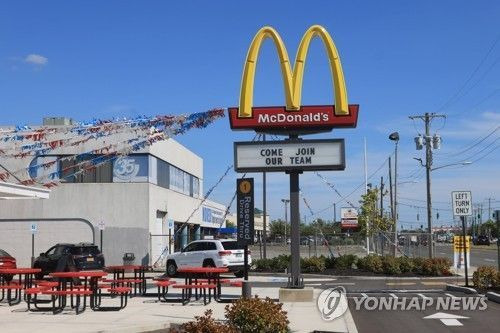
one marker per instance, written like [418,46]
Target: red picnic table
[139,279]
[193,275]
[8,274]
[70,284]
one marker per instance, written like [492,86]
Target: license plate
[90,259]
[239,255]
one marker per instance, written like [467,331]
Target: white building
[140,200]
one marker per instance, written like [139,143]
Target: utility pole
[430,142]
[390,189]
[489,207]
[381,196]
[334,213]
[366,192]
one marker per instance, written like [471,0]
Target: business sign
[101,225]
[245,211]
[348,217]
[293,117]
[212,217]
[289,155]
[132,168]
[462,203]
[458,252]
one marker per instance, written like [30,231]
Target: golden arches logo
[292,79]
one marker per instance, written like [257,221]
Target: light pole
[428,168]
[395,137]
[286,201]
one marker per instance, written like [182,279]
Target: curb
[454,287]
[359,277]
[494,297]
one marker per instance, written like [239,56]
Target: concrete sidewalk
[144,314]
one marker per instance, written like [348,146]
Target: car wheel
[171,268]
[239,274]
[208,263]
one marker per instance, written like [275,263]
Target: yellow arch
[292,80]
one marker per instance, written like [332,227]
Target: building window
[195,187]
[176,179]
[163,173]
[72,171]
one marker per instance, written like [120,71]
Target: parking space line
[423,296]
[400,283]
[433,283]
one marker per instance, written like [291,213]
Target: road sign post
[462,206]
[101,226]
[245,223]
[34,229]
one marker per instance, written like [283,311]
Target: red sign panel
[308,118]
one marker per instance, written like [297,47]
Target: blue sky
[99,59]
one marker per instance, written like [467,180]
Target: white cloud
[36,59]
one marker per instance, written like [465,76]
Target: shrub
[372,263]
[205,324]
[390,265]
[418,265]
[345,261]
[436,267]
[262,264]
[406,264]
[254,315]
[485,277]
[329,262]
[313,264]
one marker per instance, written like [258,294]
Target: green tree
[230,224]
[277,228]
[369,218]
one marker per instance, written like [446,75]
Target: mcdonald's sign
[293,117]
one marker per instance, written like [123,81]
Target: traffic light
[437,216]
[418,217]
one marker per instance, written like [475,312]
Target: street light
[395,137]
[427,165]
[286,201]
[452,164]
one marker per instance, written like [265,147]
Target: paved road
[479,256]
[413,321]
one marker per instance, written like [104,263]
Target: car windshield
[4,254]
[232,245]
[84,250]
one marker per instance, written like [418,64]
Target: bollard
[246,289]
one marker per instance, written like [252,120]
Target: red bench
[163,289]
[187,291]
[122,291]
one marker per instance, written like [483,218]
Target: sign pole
[465,250]
[295,280]
[100,236]
[32,248]
[245,262]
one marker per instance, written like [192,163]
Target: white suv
[209,253]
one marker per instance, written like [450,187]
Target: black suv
[481,240]
[65,257]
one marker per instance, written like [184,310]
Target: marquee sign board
[303,155]
[245,205]
[348,217]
